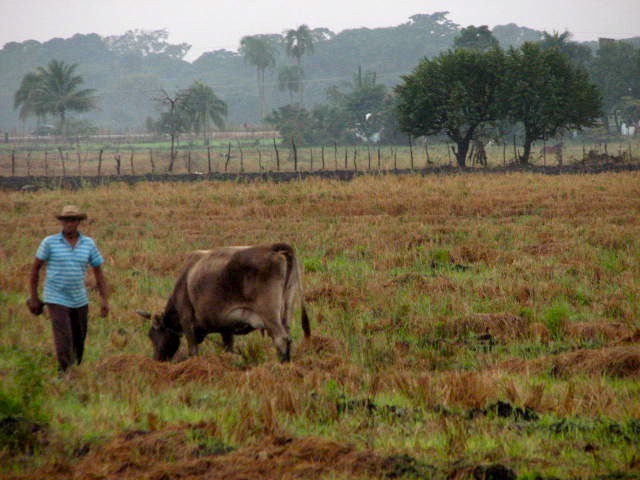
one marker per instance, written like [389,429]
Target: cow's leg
[227,339]
[190,333]
[192,341]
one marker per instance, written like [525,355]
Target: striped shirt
[66,268]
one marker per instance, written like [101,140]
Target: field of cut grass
[463,326]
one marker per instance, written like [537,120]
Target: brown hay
[598,330]
[202,369]
[169,454]
[621,362]
[503,326]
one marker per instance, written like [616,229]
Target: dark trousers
[69,332]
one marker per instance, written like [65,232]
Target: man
[67,256]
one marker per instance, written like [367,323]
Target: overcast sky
[210,25]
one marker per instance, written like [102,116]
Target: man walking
[67,256]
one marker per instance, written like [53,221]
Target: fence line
[258,157]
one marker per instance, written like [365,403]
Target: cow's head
[165,341]
[283,346]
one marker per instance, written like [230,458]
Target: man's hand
[35,305]
[104,309]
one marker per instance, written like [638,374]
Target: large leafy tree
[616,71]
[362,106]
[453,94]
[476,38]
[579,54]
[547,94]
[201,105]
[54,90]
[259,51]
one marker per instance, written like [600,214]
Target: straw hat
[71,211]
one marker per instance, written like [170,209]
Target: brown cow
[231,291]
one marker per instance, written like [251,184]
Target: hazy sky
[209,25]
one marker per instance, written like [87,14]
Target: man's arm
[102,290]
[34,303]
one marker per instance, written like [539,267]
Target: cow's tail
[294,282]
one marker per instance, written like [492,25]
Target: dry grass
[431,300]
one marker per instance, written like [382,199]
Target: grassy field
[464,326]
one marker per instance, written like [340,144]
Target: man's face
[70,225]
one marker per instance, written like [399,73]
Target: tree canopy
[453,94]
[54,89]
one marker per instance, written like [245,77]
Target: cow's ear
[144,314]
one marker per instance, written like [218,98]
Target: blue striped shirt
[66,269]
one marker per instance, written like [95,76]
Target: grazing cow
[231,291]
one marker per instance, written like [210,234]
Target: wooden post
[79,159]
[241,157]
[133,170]
[322,156]
[368,157]
[355,158]
[310,159]
[426,151]
[411,152]
[189,159]
[209,159]
[13,163]
[29,163]
[153,165]
[275,147]
[64,169]
[226,163]
[117,158]
[295,155]
[260,159]
[335,154]
[379,158]
[100,162]
[346,166]
[46,163]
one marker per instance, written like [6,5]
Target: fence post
[133,172]
[322,155]
[100,162]
[226,163]
[209,159]
[64,168]
[241,157]
[13,163]
[79,157]
[295,155]
[275,147]
[411,152]
[153,166]
[46,163]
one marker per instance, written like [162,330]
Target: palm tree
[258,50]
[54,90]
[296,44]
[290,79]
[23,98]
[201,105]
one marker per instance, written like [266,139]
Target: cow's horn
[143,314]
